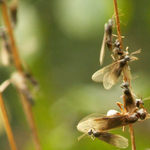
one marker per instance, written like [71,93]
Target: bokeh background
[60,40]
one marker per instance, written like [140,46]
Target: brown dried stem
[26,105]
[7,124]
[29,116]
[132,137]
[120,40]
[118,23]
[12,40]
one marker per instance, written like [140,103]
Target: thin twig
[132,137]
[10,32]
[4,85]
[7,125]
[118,23]
[26,105]
[29,116]
[120,40]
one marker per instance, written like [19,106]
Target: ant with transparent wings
[111,73]
[97,126]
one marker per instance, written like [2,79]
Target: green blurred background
[60,40]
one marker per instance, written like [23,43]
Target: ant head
[141,114]
[127,58]
[138,102]
[90,132]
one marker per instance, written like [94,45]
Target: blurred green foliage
[60,40]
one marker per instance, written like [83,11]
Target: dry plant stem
[120,39]
[29,116]
[26,105]
[132,137]
[7,125]
[4,85]
[10,32]
[118,23]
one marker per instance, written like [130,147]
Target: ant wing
[100,124]
[112,76]
[127,73]
[87,123]
[115,140]
[98,75]
[111,122]
[102,52]
[91,116]
[109,80]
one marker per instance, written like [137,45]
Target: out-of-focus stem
[10,32]
[7,125]
[18,64]
[29,116]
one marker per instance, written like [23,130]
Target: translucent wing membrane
[111,73]
[104,123]
[115,140]
[102,52]
[98,75]
[108,75]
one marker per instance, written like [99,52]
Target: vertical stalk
[118,23]
[10,32]
[132,137]
[120,40]
[29,116]
[7,125]
[18,64]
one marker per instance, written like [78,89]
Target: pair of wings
[111,73]
[102,125]
[112,139]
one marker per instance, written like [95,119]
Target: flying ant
[98,126]
[129,101]
[112,139]
[107,39]
[110,74]
[130,104]
[118,52]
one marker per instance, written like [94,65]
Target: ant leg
[123,129]
[134,110]
[143,108]
[119,104]
[113,57]
[148,115]
[93,138]
[117,36]
[127,52]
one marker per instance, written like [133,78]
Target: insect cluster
[97,126]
